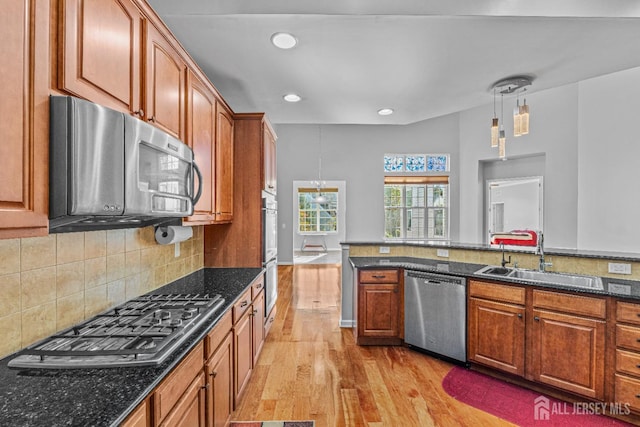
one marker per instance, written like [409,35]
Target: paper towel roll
[173,234]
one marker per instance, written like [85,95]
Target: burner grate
[143,330]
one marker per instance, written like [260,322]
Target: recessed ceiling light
[284,40]
[292,97]
[385,111]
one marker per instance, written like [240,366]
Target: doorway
[319,213]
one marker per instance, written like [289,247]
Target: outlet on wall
[385,249]
[443,253]
[619,268]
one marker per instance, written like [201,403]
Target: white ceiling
[422,58]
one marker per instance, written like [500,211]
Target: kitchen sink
[546,277]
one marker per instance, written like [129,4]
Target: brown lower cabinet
[219,371]
[140,417]
[627,359]
[379,309]
[180,397]
[496,326]
[550,337]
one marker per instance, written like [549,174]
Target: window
[416,207]
[413,163]
[317,216]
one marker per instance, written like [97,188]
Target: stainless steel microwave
[111,170]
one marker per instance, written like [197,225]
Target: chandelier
[509,86]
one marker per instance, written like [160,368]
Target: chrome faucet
[504,261]
[542,265]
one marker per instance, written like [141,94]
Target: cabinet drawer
[173,387]
[628,337]
[628,362]
[242,305]
[628,391]
[493,291]
[257,287]
[216,336]
[379,276]
[567,303]
[627,312]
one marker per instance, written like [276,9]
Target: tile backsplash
[53,282]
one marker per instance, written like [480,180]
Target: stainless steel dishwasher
[435,314]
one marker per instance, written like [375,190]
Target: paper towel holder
[180,234]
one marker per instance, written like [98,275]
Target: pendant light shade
[524,118]
[494,132]
[517,121]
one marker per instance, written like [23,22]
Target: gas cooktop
[142,331]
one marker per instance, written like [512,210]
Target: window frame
[406,211]
[318,209]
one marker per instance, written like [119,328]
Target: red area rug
[526,407]
[272,424]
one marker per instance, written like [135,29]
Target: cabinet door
[190,410]
[224,165]
[220,390]
[93,65]
[243,355]
[139,417]
[257,316]
[568,352]
[24,109]
[270,171]
[165,84]
[201,114]
[378,314]
[496,335]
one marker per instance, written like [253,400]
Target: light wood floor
[311,369]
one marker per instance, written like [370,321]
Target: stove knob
[156,320]
[176,322]
[187,314]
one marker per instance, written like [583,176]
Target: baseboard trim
[347,323]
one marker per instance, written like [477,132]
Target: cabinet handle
[638,314]
[536,318]
[205,387]
[520,315]
[378,276]
[152,119]
[213,374]
[638,366]
[259,286]
[139,113]
[637,396]
[273,318]
[255,312]
[244,303]
[270,186]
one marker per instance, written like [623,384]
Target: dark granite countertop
[104,397]
[618,256]
[612,287]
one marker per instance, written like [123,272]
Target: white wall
[609,159]
[355,154]
[585,132]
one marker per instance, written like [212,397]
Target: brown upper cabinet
[224,164]
[24,108]
[165,84]
[201,131]
[101,52]
[270,165]
[210,135]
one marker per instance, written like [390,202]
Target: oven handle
[197,197]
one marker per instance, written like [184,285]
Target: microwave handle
[197,196]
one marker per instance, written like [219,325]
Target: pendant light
[512,85]
[494,123]
[502,139]
[319,183]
